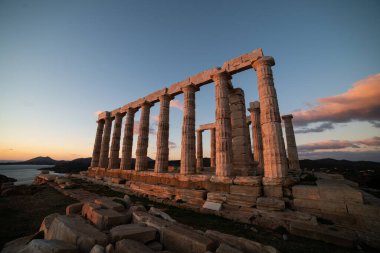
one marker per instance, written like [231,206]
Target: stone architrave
[115,144]
[212,147]
[242,165]
[254,109]
[294,164]
[97,144]
[188,131]
[103,161]
[199,151]
[162,157]
[275,165]
[126,152]
[223,125]
[142,142]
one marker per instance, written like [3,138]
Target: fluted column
[254,109]
[212,147]
[162,157]
[294,164]
[199,151]
[223,126]
[115,144]
[142,142]
[273,142]
[103,161]
[240,134]
[188,131]
[126,151]
[97,144]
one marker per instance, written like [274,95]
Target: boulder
[273,204]
[137,232]
[49,246]
[97,249]
[225,248]
[109,203]
[110,248]
[179,239]
[156,212]
[212,206]
[45,225]
[74,208]
[107,218]
[74,229]
[131,246]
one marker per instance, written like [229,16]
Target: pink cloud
[154,118]
[175,103]
[361,103]
[172,145]
[339,144]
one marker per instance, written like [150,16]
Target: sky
[62,62]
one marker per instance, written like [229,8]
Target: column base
[273,187]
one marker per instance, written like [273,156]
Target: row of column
[269,150]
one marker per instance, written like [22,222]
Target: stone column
[142,142]
[126,151]
[294,164]
[273,142]
[212,147]
[97,144]
[162,157]
[223,126]
[115,144]
[254,109]
[104,150]
[199,151]
[240,134]
[188,131]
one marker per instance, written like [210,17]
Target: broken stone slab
[107,218]
[137,232]
[97,249]
[156,212]
[241,200]
[273,204]
[217,197]
[240,243]
[74,208]
[225,248]
[212,206]
[150,220]
[109,203]
[46,223]
[131,246]
[74,229]
[306,192]
[49,246]
[17,244]
[251,180]
[254,191]
[179,239]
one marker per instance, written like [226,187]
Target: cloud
[322,127]
[136,127]
[345,155]
[339,144]
[375,123]
[360,103]
[175,103]
[172,145]
[154,118]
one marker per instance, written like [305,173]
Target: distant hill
[40,160]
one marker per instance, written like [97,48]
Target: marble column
[143,139]
[212,147]
[126,151]
[294,164]
[223,125]
[254,109]
[115,144]
[240,134]
[97,144]
[273,143]
[104,150]
[162,157]
[199,151]
[188,131]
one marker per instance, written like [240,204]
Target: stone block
[251,181]
[241,200]
[337,192]
[196,197]
[74,229]
[160,191]
[106,218]
[46,223]
[254,191]
[225,248]
[363,210]
[308,205]
[217,197]
[179,239]
[272,204]
[137,232]
[155,246]
[74,208]
[49,246]
[131,246]
[305,192]
[212,206]
[273,191]
[109,203]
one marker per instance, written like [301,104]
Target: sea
[24,174]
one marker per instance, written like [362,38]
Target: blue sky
[62,61]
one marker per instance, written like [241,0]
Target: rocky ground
[22,213]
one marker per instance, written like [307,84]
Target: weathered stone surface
[240,243]
[74,229]
[225,248]
[199,142]
[46,223]
[217,197]
[162,157]
[97,249]
[270,204]
[126,152]
[254,191]
[74,208]
[196,197]
[294,164]
[143,139]
[17,244]
[306,192]
[156,212]
[108,203]
[106,218]
[212,206]
[97,144]
[110,248]
[363,210]
[179,239]
[338,192]
[161,191]
[257,139]
[154,245]
[104,150]
[241,200]
[137,232]
[251,181]
[131,246]
[152,221]
[49,246]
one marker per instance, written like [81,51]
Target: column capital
[199,130]
[189,87]
[266,60]
[221,75]
[165,96]
[287,117]
[255,105]
[131,110]
[146,103]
